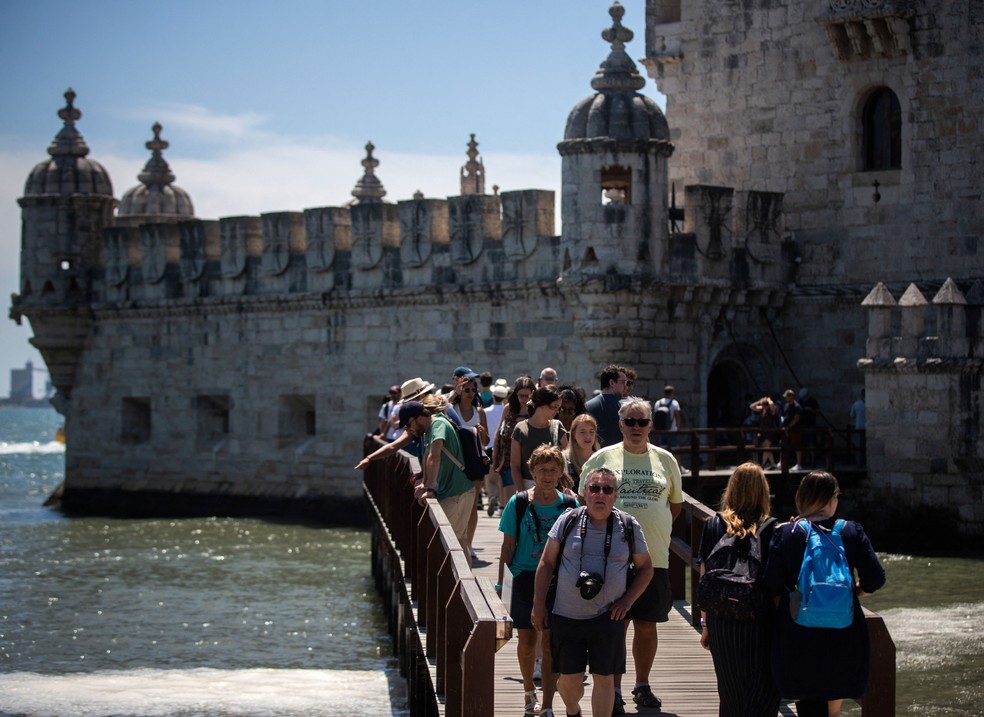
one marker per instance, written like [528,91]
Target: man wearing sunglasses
[604,407]
[589,551]
[649,489]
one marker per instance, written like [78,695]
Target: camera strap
[583,530]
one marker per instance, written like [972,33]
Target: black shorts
[521,602]
[654,604]
[598,643]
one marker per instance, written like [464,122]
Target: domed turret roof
[68,172]
[617,111]
[156,196]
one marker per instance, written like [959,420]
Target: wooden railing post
[445,613]
[879,699]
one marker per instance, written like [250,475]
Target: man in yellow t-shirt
[649,488]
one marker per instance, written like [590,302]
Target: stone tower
[614,210]
[615,150]
[68,201]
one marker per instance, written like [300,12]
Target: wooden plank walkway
[682,675]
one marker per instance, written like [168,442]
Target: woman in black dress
[819,667]
[740,649]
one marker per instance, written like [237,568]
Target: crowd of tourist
[587,505]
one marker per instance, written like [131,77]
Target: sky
[268,106]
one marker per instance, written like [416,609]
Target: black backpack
[475,461]
[661,415]
[731,584]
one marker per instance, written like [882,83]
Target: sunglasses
[468,390]
[606,489]
[632,422]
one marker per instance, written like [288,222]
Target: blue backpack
[824,594]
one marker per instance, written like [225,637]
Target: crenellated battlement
[362,247]
[915,333]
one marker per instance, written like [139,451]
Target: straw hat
[415,388]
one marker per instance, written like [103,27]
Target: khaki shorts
[458,509]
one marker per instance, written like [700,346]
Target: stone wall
[923,382]
[768,96]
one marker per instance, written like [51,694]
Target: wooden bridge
[453,636]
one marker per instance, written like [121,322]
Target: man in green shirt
[442,478]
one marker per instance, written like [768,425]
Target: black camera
[589,584]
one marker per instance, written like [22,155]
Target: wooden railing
[445,623]
[730,446]
[878,701]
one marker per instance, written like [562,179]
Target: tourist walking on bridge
[740,644]
[649,489]
[525,523]
[819,667]
[590,550]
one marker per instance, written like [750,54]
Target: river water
[239,617]
[178,618]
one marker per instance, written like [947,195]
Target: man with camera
[649,488]
[589,550]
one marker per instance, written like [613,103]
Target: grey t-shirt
[569,602]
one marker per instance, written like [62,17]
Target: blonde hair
[745,502]
[434,403]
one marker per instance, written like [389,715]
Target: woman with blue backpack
[818,568]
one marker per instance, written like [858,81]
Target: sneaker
[493,503]
[644,697]
[797,467]
[537,669]
[619,707]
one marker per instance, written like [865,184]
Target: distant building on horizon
[22,384]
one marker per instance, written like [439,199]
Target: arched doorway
[728,394]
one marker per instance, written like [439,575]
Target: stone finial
[473,173]
[949,294]
[369,190]
[156,171]
[618,73]
[879,296]
[69,142]
[912,297]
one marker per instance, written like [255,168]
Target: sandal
[532,704]
[547,712]
[644,697]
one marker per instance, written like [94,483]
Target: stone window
[297,419]
[212,414]
[881,125]
[616,185]
[135,420]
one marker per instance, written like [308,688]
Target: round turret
[614,155]
[68,172]
[156,198]
[617,111]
